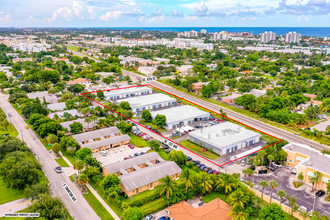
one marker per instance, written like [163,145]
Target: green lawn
[97,206]
[9,194]
[62,162]
[68,156]
[197,149]
[11,130]
[213,195]
[138,141]
[153,126]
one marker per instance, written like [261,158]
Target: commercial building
[142,173]
[224,138]
[267,36]
[215,209]
[308,160]
[181,116]
[126,93]
[292,37]
[102,139]
[154,101]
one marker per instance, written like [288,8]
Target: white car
[103,153]
[149,217]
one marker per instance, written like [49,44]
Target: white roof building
[154,101]
[225,137]
[56,106]
[126,93]
[181,115]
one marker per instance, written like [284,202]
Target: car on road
[149,217]
[9,114]
[136,154]
[131,146]
[103,153]
[320,193]
[58,169]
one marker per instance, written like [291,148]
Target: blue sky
[164,13]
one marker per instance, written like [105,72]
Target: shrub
[297,184]
[153,206]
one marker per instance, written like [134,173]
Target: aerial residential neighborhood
[165,110]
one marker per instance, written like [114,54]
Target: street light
[314,203]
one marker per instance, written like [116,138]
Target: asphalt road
[79,209]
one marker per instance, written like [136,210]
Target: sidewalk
[106,206]
[14,206]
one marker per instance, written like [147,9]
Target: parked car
[320,193]
[216,172]
[142,153]
[165,147]
[211,171]
[148,126]
[294,170]
[131,146]
[148,139]
[271,168]
[198,126]
[168,151]
[126,158]
[58,169]
[243,163]
[275,164]
[200,164]
[165,218]
[201,203]
[136,154]
[142,134]
[188,158]
[262,170]
[196,162]
[103,153]
[149,217]
[202,167]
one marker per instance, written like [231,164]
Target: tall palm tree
[167,186]
[238,199]
[238,214]
[282,195]
[226,181]
[206,182]
[187,177]
[273,184]
[270,159]
[263,184]
[317,176]
[262,154]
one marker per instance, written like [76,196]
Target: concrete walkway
[14,206]
[106,206]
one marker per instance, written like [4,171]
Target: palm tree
[88,120]
[238,214]
[263,184]
[226,181]
[83,179]
[238,199]
[262,154]
[249,172]
[316,178]
[186,175]
[282,195]
[270,158]
[273,184]
[292,204]
[223,114]
[167,186]
[206,182]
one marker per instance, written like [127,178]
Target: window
[290,161]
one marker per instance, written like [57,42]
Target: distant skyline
[164,13]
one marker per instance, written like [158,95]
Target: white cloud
[4,17]
[141,18]
[91,12]
[111,15]
[157,16]
[78,8]
[64,13]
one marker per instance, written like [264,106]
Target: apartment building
[308,160]
[102,139]
[142,173]
[292,37]
[267,36]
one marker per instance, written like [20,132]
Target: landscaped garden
[199,150]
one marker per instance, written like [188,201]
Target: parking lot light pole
[314,203]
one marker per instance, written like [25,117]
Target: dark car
[126,158]
[189,158]
[201,164]
[198,126]
[136,154]
[271,168]
[142,153]
[164,218]
[320,193]
[201,203]
[148,126]
[206,169]
[58,169]
[196,162]
[210,171]
[165,147]
[168,151]
[202,167]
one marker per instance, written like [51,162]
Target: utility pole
[314,203]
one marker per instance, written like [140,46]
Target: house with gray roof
[56,106]
[142,173]
[86,126]
[43,95]
[61,114]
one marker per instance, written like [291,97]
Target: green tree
[34,191]
[282,195]
[270,159]
[178,156]
[188,180]
[125,105]
[83,179]
[146,115]
[79,165]
[88,120]
[292,204]
[83,153]
[262,154]
[110,185]
[100,94]
[273,184]
[227,182]
[154,145]
[76,127]
[52,138]
[167,187]
[133,213]
[205,182]
[56,147]
[263,184]
[272,212]
[301,177]
[124,127]
[48,207]
[238,199]
[76,88]
[160,120]
[238,214]
[10,144]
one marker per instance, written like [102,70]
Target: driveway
[304,198]
[118,154]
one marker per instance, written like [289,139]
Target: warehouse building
[126,93]
[153,101]
[142,173]
[102,139]
[181,116]
[224,138]
[307,161]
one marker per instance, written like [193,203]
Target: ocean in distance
[305,31]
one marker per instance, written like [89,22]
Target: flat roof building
[102,139]
[142,173]
[61,114]
[224,138]
[153,101]
[86,126]
[56,106]
[42,95]
[308,160]
[126,93]
[181,115]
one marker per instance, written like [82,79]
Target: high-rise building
[267,36]
[203,31]
[223,35]
[292,37]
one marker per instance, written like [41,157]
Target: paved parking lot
[118,154]
[304,198]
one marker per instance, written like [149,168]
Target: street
[79,209]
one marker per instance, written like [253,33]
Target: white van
[103,153]
[294,170]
